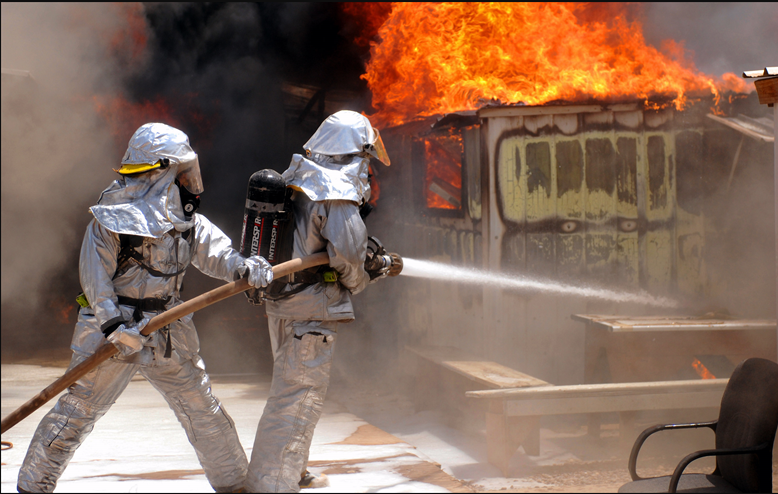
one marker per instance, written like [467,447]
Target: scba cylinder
[266,218]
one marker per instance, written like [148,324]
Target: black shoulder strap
[128,253]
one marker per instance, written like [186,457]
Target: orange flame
[443,180]
[702,370]
[443,57]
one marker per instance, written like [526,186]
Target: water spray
[445,272]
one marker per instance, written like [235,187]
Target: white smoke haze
[56,151]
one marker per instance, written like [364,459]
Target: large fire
[433,58]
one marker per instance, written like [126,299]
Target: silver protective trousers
[301,375]
[187,389]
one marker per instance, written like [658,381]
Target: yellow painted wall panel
[510,183]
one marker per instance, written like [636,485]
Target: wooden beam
[520,111]
[485,373]
[621,403]
[740,128]
[604,390]
[767,90]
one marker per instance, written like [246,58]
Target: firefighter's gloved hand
[260,272]
[127,337]
[377,266]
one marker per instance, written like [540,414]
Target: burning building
[605,195]
[593,165]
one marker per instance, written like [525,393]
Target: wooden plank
[627,210]
[605,390]
[575,405]
[767,90]
[732,123]
[500,447]
[600,159]
[657,244]
[503,331]
[616,323]
[540,199]
[517,111]
[569,245]
[490,374]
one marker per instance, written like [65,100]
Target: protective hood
[145,200]
[347,132]
[154,144]
[154,141]
[329,178]
[147,204]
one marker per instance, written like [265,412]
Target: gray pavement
[139,446]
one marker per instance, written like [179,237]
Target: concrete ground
[369,439]
[139,446]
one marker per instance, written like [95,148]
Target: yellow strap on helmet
[129,169]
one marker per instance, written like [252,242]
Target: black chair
[745,432]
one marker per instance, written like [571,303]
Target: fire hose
[159,321]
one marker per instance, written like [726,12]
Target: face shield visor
[188,175]
[377,150]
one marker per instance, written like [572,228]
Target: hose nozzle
[397,264]
[380,263]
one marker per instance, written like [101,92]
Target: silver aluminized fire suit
[329,186]
[146,205]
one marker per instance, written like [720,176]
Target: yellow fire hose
[159,321]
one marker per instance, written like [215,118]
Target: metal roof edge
[738,125]
[765,72]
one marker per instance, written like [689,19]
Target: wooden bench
[503,431]
[507,405]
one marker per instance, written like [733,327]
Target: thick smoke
[722,36]
[56,155]
[215,71]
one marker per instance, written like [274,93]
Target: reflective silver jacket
[208,248]
[331,225]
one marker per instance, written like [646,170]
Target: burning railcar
[618,195]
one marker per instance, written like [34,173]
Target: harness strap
[143,304]
[302,279]
[129,253]
[307,277]
[148,304]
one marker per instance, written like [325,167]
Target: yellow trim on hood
[129,169]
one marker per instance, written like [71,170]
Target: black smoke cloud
[214,70]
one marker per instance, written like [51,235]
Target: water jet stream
[445,272]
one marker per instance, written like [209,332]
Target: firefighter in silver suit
[330,184]
[144,234]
